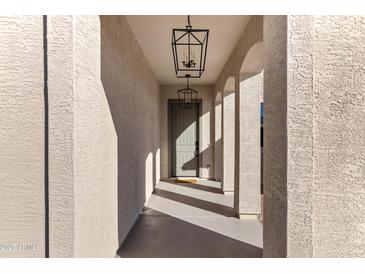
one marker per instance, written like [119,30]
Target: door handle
[197,149]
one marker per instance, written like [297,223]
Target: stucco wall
[61,135]
[82,140]
[83,143]
[248,196]
[101,148]
[299,136]
[275,138]
[339,136]
[288,175]
[251,35]
[313,199]
[133,94]
[218,142]
[229,135]
[95,155]
[22,137]
[206,123]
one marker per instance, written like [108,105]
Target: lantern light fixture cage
[188,97]
[189,48]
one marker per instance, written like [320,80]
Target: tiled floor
[192,220]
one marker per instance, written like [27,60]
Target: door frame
[169,135]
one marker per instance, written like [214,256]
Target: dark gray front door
[185,140]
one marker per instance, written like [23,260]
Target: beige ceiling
[154,35]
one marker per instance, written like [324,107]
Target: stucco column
[314,136]
[218,156]
[82,147]
[61,134]
[228,137]
[247,147]
[288,136]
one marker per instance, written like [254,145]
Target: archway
[248,184]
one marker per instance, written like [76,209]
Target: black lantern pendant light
[189,47]
[188,97]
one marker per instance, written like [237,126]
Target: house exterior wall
[83,143]
[248,195]
[106,112]
[206,123]
[133,94]
[275,138]
[288,137]
[251,35]
[95,144]
[218,145]
[60,39]
[99,85]
[22,137]
[229,136]
[338,136]
[299,136]
[314,114]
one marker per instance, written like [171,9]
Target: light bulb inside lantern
[184,57]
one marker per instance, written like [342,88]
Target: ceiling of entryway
[154,35]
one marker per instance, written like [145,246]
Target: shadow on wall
[133,97]
[225,116]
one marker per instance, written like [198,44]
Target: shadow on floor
[157,235]
[196,186]
[198,203]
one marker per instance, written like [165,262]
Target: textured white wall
[95,155]
[206,126]
[218,138]
[251,35]
[314,134]
[313,199]
[300,136]
[275,137]
[248,196]
[82,140]
[229,131]
[133,94]
[83,144]
[89,171]
[22,137]
[339,136]
[61,135]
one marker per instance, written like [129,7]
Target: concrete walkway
[192,220]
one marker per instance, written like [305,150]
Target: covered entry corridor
[89,158]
